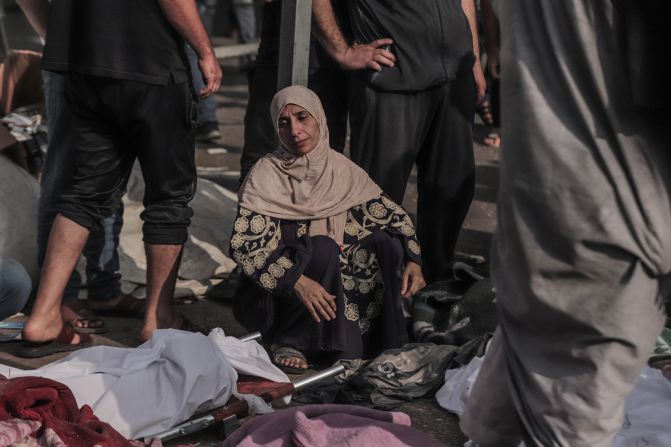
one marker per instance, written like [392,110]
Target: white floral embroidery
[361,256]
[272,244]
[352,312]
[407,230]
[302,229]
[248,267]
[364,287]
[268,281]
[260,259]
[414,247]
[276,270]
[351,228]
[258,224]
[349,284]
[241,224]
[285,262]
[377,210]
[389,203]
[237,241]
[244,212]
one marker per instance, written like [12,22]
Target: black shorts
[117,121]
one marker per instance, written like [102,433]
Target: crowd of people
[581,259]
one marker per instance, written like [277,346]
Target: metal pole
[294,43]
[312,380]
[252,336]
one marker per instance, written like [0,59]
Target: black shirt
[268,54]
[432,40]
[121,39]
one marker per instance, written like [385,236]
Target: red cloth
[54,405]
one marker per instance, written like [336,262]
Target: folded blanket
[330,425]
[54,406]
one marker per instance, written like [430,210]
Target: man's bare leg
[66,242]
[162,266]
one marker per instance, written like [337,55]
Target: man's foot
[121,306]
[177,321]
[289,360]
[67,340]
[48,327]
[76,314]
[208,131]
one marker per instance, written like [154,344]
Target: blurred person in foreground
[582,253]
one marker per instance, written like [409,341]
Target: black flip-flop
[62,343]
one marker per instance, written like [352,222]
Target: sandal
[62,343]
[493,140]
[286,352]
[128,306]
[81,319]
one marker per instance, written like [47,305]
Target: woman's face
[299,131]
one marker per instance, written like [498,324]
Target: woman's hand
[412,281]
[317,300]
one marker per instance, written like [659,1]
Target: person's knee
[15,287]
[166,224]
[325,246]
[386,246]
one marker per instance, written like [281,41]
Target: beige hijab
[319,186]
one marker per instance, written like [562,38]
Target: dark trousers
[433,129]
[260,136]
[116,122]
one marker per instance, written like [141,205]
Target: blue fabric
[15,286]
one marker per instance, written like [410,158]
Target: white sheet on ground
[145,390]
[204,260]
[647,409]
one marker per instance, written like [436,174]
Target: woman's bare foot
[288,359]
[294,362]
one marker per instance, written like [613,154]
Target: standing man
[413,101]
[582,254]
[127,89]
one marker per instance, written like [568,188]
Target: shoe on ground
[208,131]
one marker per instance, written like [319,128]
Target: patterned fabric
[258,247]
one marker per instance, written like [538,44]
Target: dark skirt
[374,320]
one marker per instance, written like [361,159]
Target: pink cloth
[330,425]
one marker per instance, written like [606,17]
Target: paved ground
[220,162]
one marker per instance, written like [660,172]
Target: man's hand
[316,299]
[480,82]
[372,55]
[211,71]
[184,17]
[412,281]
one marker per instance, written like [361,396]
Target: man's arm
[183,16]
[357,57]
[481,85]
[37,12]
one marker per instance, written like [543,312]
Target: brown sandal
[128,306]
[75,312]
